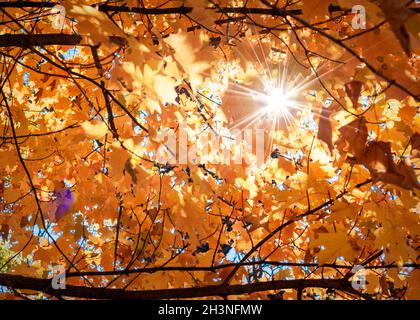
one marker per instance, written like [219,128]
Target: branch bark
[230,265]
[152,11]
[44,285]
[30,40]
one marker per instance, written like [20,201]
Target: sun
[277,101]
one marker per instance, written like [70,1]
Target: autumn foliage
[85,100]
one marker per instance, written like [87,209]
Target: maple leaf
[325,129]
[95,129]
[397,15]
[93,22]
[415,141]
[63,200]
[353,90]
[354,136]
[377,157]
[188,51]
[336,245]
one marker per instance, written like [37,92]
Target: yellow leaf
[336,245]
[95,129]
[165,88]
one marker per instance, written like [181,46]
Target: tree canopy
[92,94]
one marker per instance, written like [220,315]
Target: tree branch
[230,265]
[282,226]
[30,40]
[347,48]
[151,11]
[44,285]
